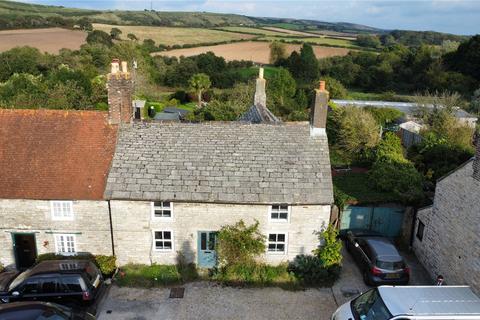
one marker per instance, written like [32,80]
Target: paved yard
[205,300]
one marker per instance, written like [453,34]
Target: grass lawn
[143,276]
[172,35]
[357,187]
[317,40]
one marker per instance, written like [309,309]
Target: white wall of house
[90,226]
[451,236]
[134,224]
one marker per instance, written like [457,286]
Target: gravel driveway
[206,300]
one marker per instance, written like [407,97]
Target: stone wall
[450,244]
[133,225]
[90,225]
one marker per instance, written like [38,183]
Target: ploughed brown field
[49,40]
[250,50]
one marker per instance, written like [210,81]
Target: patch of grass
[316,40]
[255,31]
[384,96]
[357,187]
[257,275]
[156,275]
[174,36]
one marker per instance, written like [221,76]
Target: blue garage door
[386,220]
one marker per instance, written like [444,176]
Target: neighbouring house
[173,185]
[53,170]
[447,234]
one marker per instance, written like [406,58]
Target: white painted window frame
[154,247]
[71,215]
[57,244]
[289,212]
[286,243]
[152,210]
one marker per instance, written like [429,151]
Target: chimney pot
[124,66]
[115,66]
[322,86]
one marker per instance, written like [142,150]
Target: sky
[452,16]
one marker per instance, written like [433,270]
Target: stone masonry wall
[133,225]
[91,226]
[451,241]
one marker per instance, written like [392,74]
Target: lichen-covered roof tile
[231,162]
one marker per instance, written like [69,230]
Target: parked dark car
[377,257]
[66,282]
[40,311]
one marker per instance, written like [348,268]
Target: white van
[412,303]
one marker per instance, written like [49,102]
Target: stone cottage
[173,185]
[53,170]
[447,234]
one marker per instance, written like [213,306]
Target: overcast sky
[453,16]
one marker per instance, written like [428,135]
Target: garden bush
[239,244]
[106,264]
[311,270]
[256,274]
[2,268]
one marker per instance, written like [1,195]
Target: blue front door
[207,257]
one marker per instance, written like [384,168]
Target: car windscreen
[33,314]
[389,263]
[93,274]
[370,306]
[21,277]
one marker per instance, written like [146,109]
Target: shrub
[311,270]
[384,116]
[2,268]
[330,250]
[256,274]
[239,244]
[106,264]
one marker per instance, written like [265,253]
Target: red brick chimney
[476,160]
[318,113]
[120,88]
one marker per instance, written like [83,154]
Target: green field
[318,41]
[172,35]
[249,73]
[257,31]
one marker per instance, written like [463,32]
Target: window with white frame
[62,210]
[162,209]
[277,242]
[65,244]
[163,240]
[279,212]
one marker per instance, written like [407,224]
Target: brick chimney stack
[120,88]
[318,113]
[476,160]
[260,94]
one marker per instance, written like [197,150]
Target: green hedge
[106,264]
[144,276]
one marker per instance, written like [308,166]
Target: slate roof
[227,162]
[259,114]
[54,154]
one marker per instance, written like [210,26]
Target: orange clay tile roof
[54,154]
